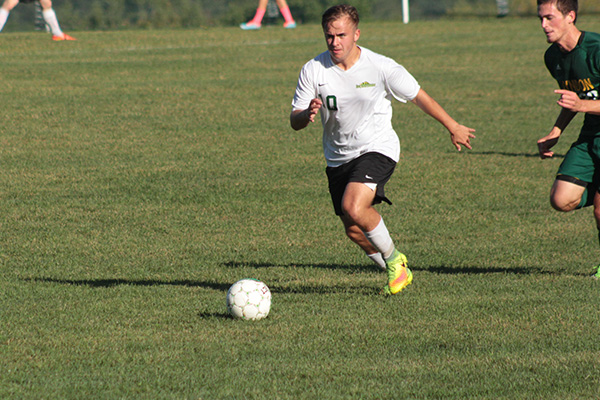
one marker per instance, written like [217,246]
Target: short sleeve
[401,84]
[305,89]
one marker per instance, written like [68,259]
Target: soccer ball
[249,299]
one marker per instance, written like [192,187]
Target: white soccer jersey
[357,104]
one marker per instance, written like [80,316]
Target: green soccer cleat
[399,276]
[597,274]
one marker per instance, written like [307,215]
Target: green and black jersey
[579,71]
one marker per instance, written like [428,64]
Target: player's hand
[313,108]
[569,100]
[299,119]
[545,144]
[462,135]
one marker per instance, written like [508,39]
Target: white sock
[377,258]
[381,239]
[3,17]
[50,18]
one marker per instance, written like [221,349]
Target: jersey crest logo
[365,84]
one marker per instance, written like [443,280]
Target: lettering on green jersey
[583,87]
[577,85]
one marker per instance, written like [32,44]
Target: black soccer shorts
[368,168]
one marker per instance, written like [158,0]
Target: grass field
[144,172]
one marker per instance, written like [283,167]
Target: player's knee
[564,204]
[46,4]
[9,4]
[352,211]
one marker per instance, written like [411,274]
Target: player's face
[554,23]
[341,36]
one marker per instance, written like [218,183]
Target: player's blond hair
[340,11]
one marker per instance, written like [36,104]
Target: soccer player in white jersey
[352,87]
[47,13]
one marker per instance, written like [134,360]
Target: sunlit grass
[145,172]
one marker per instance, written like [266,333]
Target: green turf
[145,172]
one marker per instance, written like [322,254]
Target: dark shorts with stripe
[368,168]
[582,162]
[27,1]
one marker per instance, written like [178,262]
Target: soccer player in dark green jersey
[573,60]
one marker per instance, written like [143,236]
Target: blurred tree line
[128,14]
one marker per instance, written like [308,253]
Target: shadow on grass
[481,271]
[295,287]
[442,269]
[223,287]
[507,154]
[107,283]
[353,267]
[217,315]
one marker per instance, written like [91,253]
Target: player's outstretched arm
[299,119]
[546,143]
[459,134]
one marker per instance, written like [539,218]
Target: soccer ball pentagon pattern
[249,299]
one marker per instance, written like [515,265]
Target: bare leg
[565,196]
